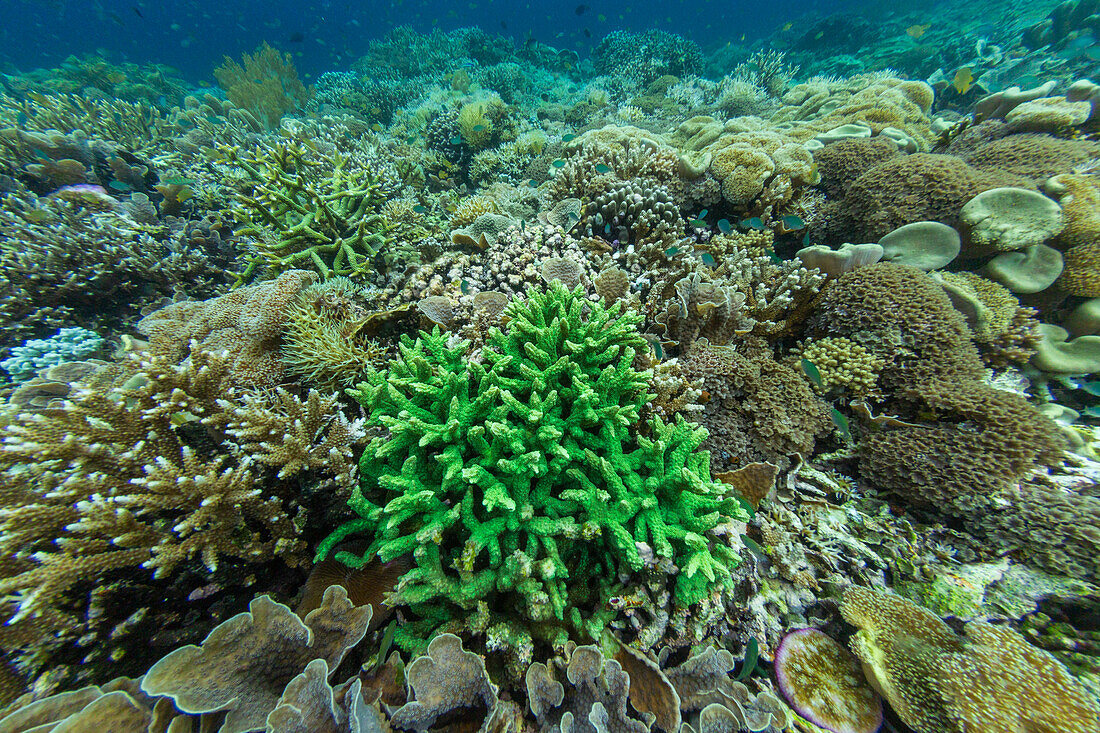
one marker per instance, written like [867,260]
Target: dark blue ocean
[194,36]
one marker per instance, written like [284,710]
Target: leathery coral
[989,681]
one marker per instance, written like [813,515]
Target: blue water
[194,36]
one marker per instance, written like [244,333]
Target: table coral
[530,489]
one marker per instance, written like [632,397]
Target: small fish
[724,226]
[916,31]
[559,163]
[587,33]
[806,240]
[707,258]
[787,26]
[658,350]
[754,547]
[812,372]
[1093,411]
[963,80]
[672,251]
[137,11]
[456,140]
[420,209]
[479,128]
[793,223]
[697,223]
[1092,388]
[774,257]
[464,286]
[841,423]
[120,186]
[297,37]
[178,182]
[752,656]
[754,223]
[703,214]
[568,137]
[533,183]
[603,168]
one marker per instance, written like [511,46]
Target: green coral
[309,210]
[521,484]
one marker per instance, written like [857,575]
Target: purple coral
[823,682]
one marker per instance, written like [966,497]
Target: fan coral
[532,489]
[267,85]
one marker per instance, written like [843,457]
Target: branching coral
[309,209]
[531,486]
[161,472]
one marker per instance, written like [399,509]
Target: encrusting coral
[520,482]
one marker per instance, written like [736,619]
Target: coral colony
[656,388]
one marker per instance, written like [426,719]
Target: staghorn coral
[161,473]
[267,85]
[308,209]
[533,541]
[990,681]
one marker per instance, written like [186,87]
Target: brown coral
[991,681]
[244,665]
[248,323]
[912,188]
[986,440]
[163,472]
[1081,273]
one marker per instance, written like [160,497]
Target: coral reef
[528,532]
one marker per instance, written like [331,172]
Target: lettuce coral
[520,483]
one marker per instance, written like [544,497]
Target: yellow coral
[1079,196]
[471,208]
[474,124]
[843,363]
[992,681]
